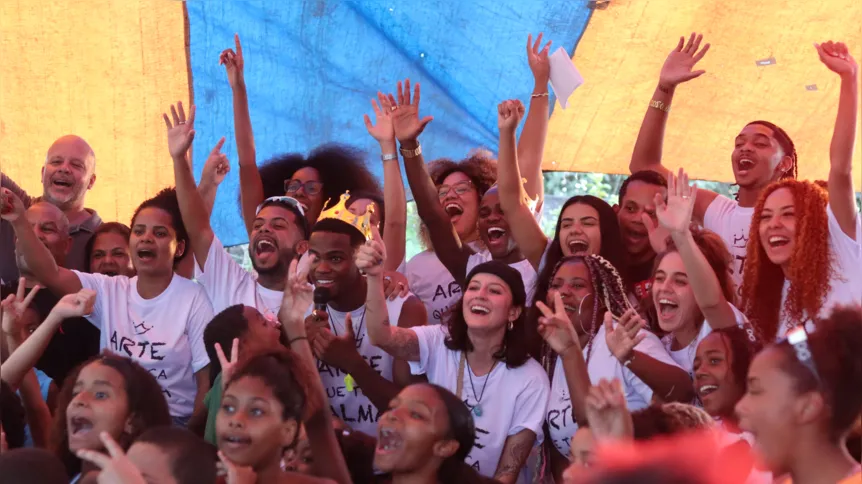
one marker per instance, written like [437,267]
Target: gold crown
[362,223]
[532,203]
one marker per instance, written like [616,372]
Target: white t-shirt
[512,399]
[354,408]
[732,223]
[846,283]
[432,283]
[602,365]
[164,334]
[726,439]
[528,274]
[685,357]
[227,283]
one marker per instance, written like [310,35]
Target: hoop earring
[511,325]
[580,307]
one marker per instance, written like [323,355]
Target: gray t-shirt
[77,257]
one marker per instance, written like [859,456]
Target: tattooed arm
[514,456]
[401,343]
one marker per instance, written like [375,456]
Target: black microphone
[321,297]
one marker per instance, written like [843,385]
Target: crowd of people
[676,336]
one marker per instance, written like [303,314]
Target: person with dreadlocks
[805,253]
[583,344]
[763,153]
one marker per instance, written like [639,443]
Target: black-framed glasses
[310,187]
[460,188]
[290,202]
[798,340]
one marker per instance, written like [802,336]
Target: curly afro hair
[341,168]
[480,167]
[810,268]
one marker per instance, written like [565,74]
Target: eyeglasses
[798,340]
[290,202]
[310,187]
[460,188]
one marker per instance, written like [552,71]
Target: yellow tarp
[101,69]
[625,45]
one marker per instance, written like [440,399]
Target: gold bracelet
[659,105]
[414,153]
[542,94]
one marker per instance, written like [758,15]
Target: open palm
[679,65]
[382,129]
[675,214]
[181,132]
[405,117]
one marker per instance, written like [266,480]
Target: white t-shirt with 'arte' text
[164,334]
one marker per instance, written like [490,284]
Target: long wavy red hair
[810,267]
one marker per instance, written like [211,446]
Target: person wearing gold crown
[359,378]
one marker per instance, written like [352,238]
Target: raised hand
[233,63]
[228,365]
[538,60]
[11,207]
[657,235]
[298,295]
[116,468]
[675,214]
[75,305]
[13,308]
[216,167]
[837,58]
[623,337]
[181,132]
[509,115]
[235,474]
[371,255]
[607,414]
[405,113]
[339,351]
[382,129]
[555,327]
[678,66]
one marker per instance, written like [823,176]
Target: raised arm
[7,182]
[39,260]
[28,352]
[394,198]
[399,342]
[329,460]
[214,172]
[251,186]
[677,69]
[196,218]
[675,216]
[408,127]
[837,58]
[531,145]
[521,219]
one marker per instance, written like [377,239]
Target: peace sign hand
[181,132]
[678,66]
[405,117]
[675,214]
[607,413]
[624,336]
[13,308]
[115,467]
[228,365]
[556,328]
[538,60]
[371,255]
[298,296]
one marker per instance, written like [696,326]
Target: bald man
[69,172]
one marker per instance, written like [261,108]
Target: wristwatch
[388,157]
[411,153]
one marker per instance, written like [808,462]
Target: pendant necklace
[477,409]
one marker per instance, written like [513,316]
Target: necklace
[477,409]
[269,313]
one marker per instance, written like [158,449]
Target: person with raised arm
[805,236]
[692,292]
[145,316]
[763,153]
[68,174]
[279,234]
[480,356]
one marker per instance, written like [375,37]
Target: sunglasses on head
[798,340]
